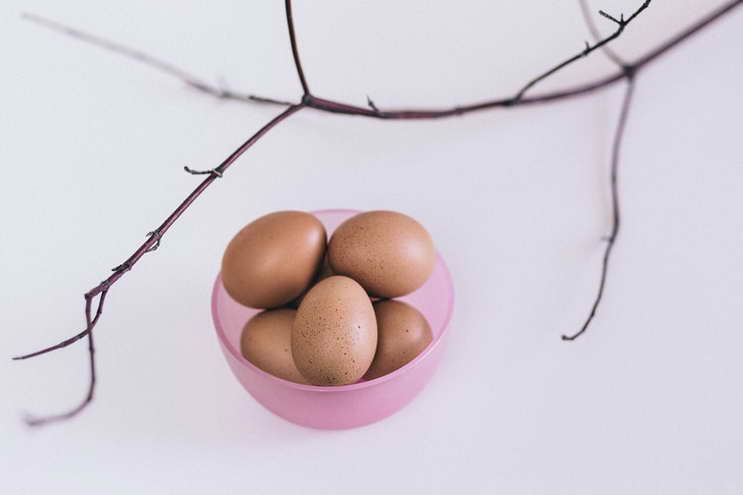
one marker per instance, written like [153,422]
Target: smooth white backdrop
[92,152]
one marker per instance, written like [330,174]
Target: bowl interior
[435,300]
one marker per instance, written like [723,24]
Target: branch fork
[620,22]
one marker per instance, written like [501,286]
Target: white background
[92,151]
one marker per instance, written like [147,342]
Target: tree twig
[90,324]
[588,18]
[148,246]
[332,106]
[621,24]
[615,206]
[151,61]
[295,49]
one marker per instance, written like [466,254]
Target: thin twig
[295,50]
[148,246]
[621,24]
[687,33]
[371,104]
[151,61]
[332,106]
[588,18]
[90,322]
[32,420]
[615,206]
[213,171]
[559,95]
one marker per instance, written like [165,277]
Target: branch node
[124,267]
[308,99]
[157,236]
[629,71]
[619,22]
[371,104]
[213,171]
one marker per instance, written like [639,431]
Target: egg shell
[272,260]
[266,342]
[403,333]
[334,336]
[388,253]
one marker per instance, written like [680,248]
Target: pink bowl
[346,406]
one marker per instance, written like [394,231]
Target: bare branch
[371,104]
[615,206]
[621,25]
[213,171]
[295,50]
[332,106]
[687,33]
[588,18]
[151,61]
[90,324]
[151,244]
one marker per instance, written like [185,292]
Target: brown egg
[273,259]
[266,342]
[403,333]
[388,253]
[335,333]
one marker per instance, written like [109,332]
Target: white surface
[92,150]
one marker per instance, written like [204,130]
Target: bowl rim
[340,388]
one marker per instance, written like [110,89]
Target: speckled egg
[334,336]
[266,342]
[388,253]
[403,333]
[272,260]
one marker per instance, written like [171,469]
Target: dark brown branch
[295,50]
[90,324]
[687,33]
[146,59]
[621,24]
[564,94]
[336,107]
[213,171]
[152,242]
[371,104]
[615,206]
[332,106]
[607,50]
